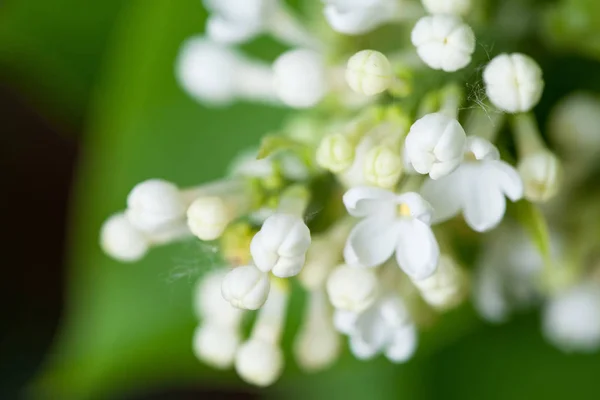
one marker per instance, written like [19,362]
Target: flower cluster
[370,203]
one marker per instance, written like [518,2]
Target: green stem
[527,135]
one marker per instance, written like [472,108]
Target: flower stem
[526,133]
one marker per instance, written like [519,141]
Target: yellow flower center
[403,210]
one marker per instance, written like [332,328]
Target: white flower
[392,223]
[317,345]
[215,344]
[445,288]
[435,145]
[352,289]
[234,21]
[207,217]
[542,175]
[571,320]
[259,362]
[300,78]
[477,187]
[369,72]
[385,327]
[513,82]
[355,17]
[121,240]
[154,205]
[383,166]
[209,303]
[443,42]
[246,287]
[281,244]
[458,7]
[216,74]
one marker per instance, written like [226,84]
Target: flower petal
[484,203]
[345,321]
[371,242]
[418,252]
[508,179]
[403,344]
[444,195]
[361,349]
[363,201]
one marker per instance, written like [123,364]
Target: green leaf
[272,144]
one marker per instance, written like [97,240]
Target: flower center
[403,210]
[470,156]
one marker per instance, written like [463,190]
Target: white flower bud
[216,345]
[209,303]
[358,17]
[246,287]
[154,205]
[369,72]
[457,7]
[207,70]
[352,289]
[513,82]
[445,288]
[443,42]
[259,362]
[281,244]
[571,320]
[435,145]
[226,31]
[300,78]
[383,166]
[255,11]
[208,217]
[121,240]
[541,173]
[336,152]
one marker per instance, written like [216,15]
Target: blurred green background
[101,73]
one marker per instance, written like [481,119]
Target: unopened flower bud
[446,287]
[571,320]
[513,82]
[443,42]
[216,345]
[121,240]
[225,31]
[352,289]
[259,362]
[246,287]
[208,217]
[209,303]
[336,152]
[154,205]
[435,145]
[300,78]
[281,244]
[457,7]
[358,17]
[541,173]
[383,166]
[369,72]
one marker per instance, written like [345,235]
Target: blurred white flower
[541,173]
[300,78]
[121,240]
[446,288]
[443,42]
[355,17]
[216,344]
[154,205]
[391,223]
[459,7]
[477,187]
[352,289]
[513,82]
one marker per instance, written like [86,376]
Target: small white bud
[435,145]
[207,70]
[255,11]
[281,244]
[121,240]
[513,82]
[352,289]
[352,17]
[225,31]
[336,152]
[154,205]
[300,78]
[208,217]
[246,287]
[209,303]
[369,72]
[383,166]
[216,345]
[445,288]
[571,320]
[317,348]
[541,173]
[457,7]
[259,362]
[443,42]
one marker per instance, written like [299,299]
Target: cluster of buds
[364,202]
